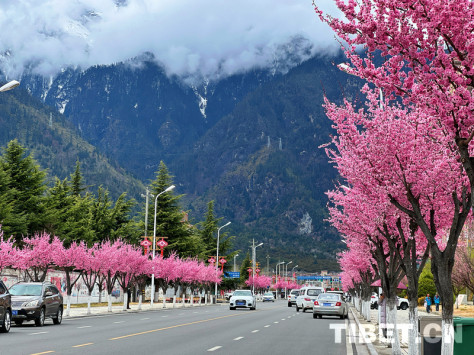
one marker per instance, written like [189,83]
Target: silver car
[330,304]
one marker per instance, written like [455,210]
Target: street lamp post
[152,296]
[276,278]
[254,261]
[217,257]
[294,267]
[10,85]
[236,255]
[286,276]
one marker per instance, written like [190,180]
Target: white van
[307,296]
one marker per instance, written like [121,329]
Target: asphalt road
[273,328]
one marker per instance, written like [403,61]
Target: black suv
[5,309]
[36,301]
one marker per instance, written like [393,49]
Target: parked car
[243,299]
[228,295]
[36,301]
[268,297]
[5,309]
[402,302]
[330,304]
[292,297]
[307,296]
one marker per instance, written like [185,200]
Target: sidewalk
[379,347]
[116,308]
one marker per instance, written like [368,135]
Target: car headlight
[31,303]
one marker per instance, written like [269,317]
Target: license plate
[240,303]
[327,304]
[14,313]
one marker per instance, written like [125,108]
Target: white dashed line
[238,338]
[122,321]
[144,318]
[84,326]
[255,331]
[283,319]
[214,348]
[37,333]
[267,325]
[275,322]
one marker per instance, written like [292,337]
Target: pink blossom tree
[90,265]
[427,52]
[36,256]
[7,252]
[67,260]
[130,263]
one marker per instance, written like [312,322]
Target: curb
[367,342]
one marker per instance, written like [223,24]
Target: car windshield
[329,297]
[242,293]
[313,292]
[26,290]
[295,292]
[268,294]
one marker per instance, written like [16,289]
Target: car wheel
[303,309]
[342,317]
[297,308]
[289,304]
[315,315]
[7,322]
[19,322]
[59,316]
[39,322]
[404,306]
[232,308]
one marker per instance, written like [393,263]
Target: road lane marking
[37,333]
[283,319]
[255,331]
[214,348]
[178,325]
[276,322]
[84,326]
[122,321]
[238,338]
[44,352]
[80,345]
[144,318]
[267,325]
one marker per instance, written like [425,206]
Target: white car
[292,297]
[307,296]
[242,299]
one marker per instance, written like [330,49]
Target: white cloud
[206,37]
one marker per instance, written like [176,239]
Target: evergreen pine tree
[26,183]
[170,219]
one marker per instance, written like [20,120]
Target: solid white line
[214,348]
[255,331]
[238,338]
[84,326]
[38,333]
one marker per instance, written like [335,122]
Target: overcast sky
[188,37]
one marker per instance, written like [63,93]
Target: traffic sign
[231,274]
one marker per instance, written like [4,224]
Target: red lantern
[257,271]
[162,244]
[222,261]
[211,260]
[145,244]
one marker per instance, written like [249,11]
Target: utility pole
[268,265]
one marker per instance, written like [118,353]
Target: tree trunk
[442,270]
[109,301]
[68,304]
[413,329]
[125,299]
[392,329]
[89,300]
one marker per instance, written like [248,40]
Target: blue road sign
[231,274]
